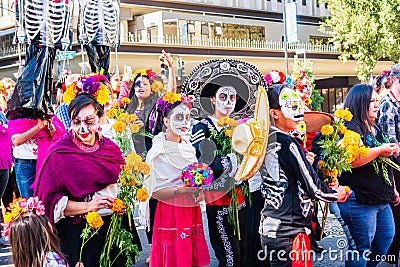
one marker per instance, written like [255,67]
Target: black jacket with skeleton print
[289,187]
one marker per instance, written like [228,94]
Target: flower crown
[170,98]
[94,84]
[143,72]
[299,75]
[274,77]
[386,79]
[19,207]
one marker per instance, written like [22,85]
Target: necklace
[84,147]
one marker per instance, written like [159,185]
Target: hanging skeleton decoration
[44,26]
[98,31]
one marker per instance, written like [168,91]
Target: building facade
[198,30]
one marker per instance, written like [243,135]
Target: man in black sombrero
[222,89]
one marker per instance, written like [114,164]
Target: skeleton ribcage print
[47,22]
[100,22]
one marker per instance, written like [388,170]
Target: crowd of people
[67,165]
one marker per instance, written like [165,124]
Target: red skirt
[178,237]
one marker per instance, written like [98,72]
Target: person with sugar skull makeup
[229,250]
[80,174]
[178,213]
[289,185]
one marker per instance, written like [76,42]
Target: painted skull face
[303,88]
[85,124]
[179,121]
[142,87]
[291,105]
[226,99]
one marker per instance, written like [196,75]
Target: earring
[99,129]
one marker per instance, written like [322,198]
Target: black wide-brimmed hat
[206,78]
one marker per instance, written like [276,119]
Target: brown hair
[31,236]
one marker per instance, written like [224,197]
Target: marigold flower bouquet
[124,124]
[224,139]
[131,189]
[339,154]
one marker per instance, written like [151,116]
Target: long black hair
[357,101]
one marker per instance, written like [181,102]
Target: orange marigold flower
[125,100]
[131,118]
[142,194]
[343,129]
[320,163]
[144,168]
[117,205]
[133,159]
[346,188]
[327,129]
[134,128]
[119,126]
[94,219]
[228,133]
[122,116]
[363,151]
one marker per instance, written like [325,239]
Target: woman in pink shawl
[79,175]
[31,139]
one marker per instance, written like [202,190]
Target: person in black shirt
[289,184]
[367,211]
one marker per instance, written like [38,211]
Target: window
[190,28]
[204,29]
[320,40]
[304,2]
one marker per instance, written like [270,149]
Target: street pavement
[334,244]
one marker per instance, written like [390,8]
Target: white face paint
[226,99]
[291,105]
[179,120]
[142,87]
[85,125]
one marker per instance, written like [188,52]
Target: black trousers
[229,250]
[271,248]
[4,174]
[253,223]
[393,252]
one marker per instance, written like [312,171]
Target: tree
[364,30]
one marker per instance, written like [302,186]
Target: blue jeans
[25,175]
[372,228]
[334,209]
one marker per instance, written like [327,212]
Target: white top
[28,150]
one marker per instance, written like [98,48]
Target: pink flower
[35,205]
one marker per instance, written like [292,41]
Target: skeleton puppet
[99,31]
[44,26]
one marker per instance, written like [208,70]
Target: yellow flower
[2,88]
[157,86]
[8,217]
[335,173]
[102,95]
[111,113]
[350,138]
[363,151]
[94,219]
[227,122]
[125,101]
[342,129]
[119,126]
[144,168]
[117,205]
[327,129]
[69,95]
[131,118]
[346,188]
[133,159]
[171,97]
[142,194]
[122,116]
[228,133]
[344,114]
[116,105]
[134,128]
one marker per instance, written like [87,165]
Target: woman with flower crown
[79,175]
[178,237]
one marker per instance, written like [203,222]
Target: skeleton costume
[99,31]
[43,26]
[289,186]
[239,82]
